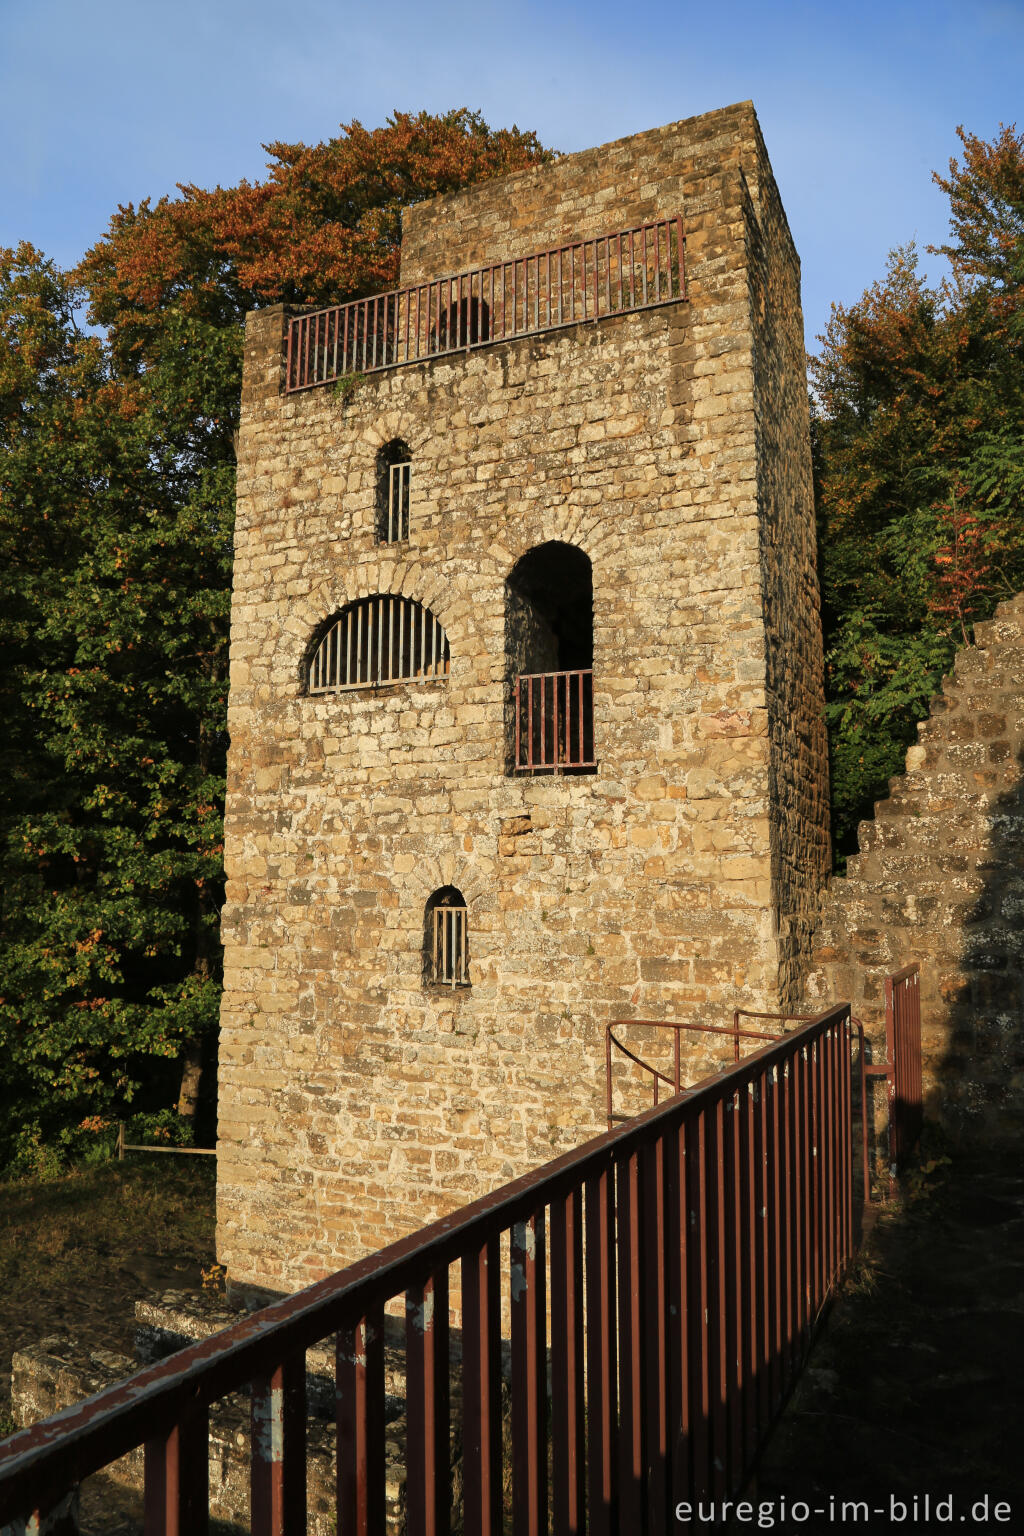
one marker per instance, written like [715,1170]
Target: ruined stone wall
[940,879]
[356,1102]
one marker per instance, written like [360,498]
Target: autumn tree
[116,512]
[918,416]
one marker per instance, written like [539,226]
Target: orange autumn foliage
[324,226]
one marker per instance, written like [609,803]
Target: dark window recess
[549,639]
[394,485]
[464,322]
[446,939]
[375,642]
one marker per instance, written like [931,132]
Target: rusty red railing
[618,273]
[613,1043]
[736,1034]
[660,1285]
[554,721]
[903,1062]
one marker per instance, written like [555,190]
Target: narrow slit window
[377,642]
[394,492]
[446,940]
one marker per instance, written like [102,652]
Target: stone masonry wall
[674,169]
[357,1103]
[801,846]
[940,879]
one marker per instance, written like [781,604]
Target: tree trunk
[191,1076]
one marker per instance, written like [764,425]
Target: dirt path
[76,1253]
[915,1385]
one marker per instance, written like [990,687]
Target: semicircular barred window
[377,641]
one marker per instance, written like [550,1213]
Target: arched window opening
[376,642]
[394,487]
[446,939]
[464,322]
[549,647]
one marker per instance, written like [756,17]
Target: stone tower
[526,687]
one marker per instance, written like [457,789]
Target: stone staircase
[939,879]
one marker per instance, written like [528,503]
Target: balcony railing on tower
[554,721]
[614,274]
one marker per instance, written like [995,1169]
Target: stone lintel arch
[392,424]
[433,871]
[329,596]
[564,524]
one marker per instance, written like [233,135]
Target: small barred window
[394,487]
[376,642]
[446,947]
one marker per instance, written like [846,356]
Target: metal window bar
[686,1254]
[450,947]
[379,641]
[399,487]
[554,721]
[615,273]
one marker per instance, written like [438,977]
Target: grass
[77,1251]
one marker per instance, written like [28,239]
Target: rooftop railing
[619,273]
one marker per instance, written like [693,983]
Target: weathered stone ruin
[424,942]
[940,879]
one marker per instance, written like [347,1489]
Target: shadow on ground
[914,1385]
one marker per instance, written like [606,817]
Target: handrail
[671,1227]
[735,1033]
[554,721]
[675,1082]
[615,274]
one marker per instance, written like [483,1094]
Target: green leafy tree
[116,564]
[918,416]
[116,513]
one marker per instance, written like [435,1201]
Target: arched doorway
[549,651]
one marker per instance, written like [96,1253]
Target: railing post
[428,1493]
[608,1073]
[529,1378]
[360,1425]
[632,1490]
[177,1471]
[602,1481]
[697,1284]
[567,1410]
[278,1434]
[654,1339]
[481,1390]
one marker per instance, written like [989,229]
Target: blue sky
[115,100]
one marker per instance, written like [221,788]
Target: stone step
[164,1324]
[58,1373]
